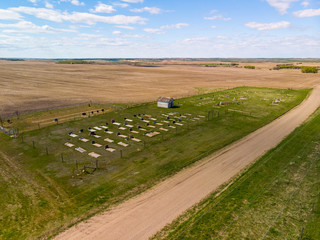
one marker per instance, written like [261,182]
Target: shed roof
[165,99]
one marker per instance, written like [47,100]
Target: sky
[159,29]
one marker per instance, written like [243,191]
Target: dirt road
[142,216]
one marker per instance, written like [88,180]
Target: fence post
[61,157]
[120,153]
[301,235]
[313,207]
[33,144]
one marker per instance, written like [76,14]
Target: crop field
[30,85]
[63,173]
[278,197]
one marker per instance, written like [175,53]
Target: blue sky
[158,29]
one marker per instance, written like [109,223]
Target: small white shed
[165,102]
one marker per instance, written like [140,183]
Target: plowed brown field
[34,85]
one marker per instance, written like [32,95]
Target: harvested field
[36,85]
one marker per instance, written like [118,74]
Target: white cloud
[123,5]
[222,37]
[195,40]
[48,5]
[103,8]
[92,19]
[126,27]
[153,30]
[268,26]
[305,3]
[33,1]
[175,26]
[76,46]
[162,28]
[42,13]
[133,1]
[213,26]
[78,17]
[281,5]
[218,17]
[116,32]
[9,15]
[213,11]
[74,2]
[133,36]
[89,35]
[307,13]
[152,10]
[29,27]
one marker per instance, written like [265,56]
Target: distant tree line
[309,70]
[304,69]
[13,59]
[74,62]
[221,64]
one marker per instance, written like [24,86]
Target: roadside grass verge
[276,198]
[46,194]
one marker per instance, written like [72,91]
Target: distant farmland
[38,85]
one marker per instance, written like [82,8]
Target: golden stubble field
[36,85]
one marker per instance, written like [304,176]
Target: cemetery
[104,140]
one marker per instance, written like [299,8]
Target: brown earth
[141,217]
[35,85]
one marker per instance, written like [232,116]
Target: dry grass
[36,85]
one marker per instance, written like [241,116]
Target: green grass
[274,199]
[49,194]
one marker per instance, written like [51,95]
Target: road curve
[144,215]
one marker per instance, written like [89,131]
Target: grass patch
[50,193]
[274,199]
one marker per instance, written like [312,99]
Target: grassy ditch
[276,198]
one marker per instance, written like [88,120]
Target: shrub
[309,70]
[250,67]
